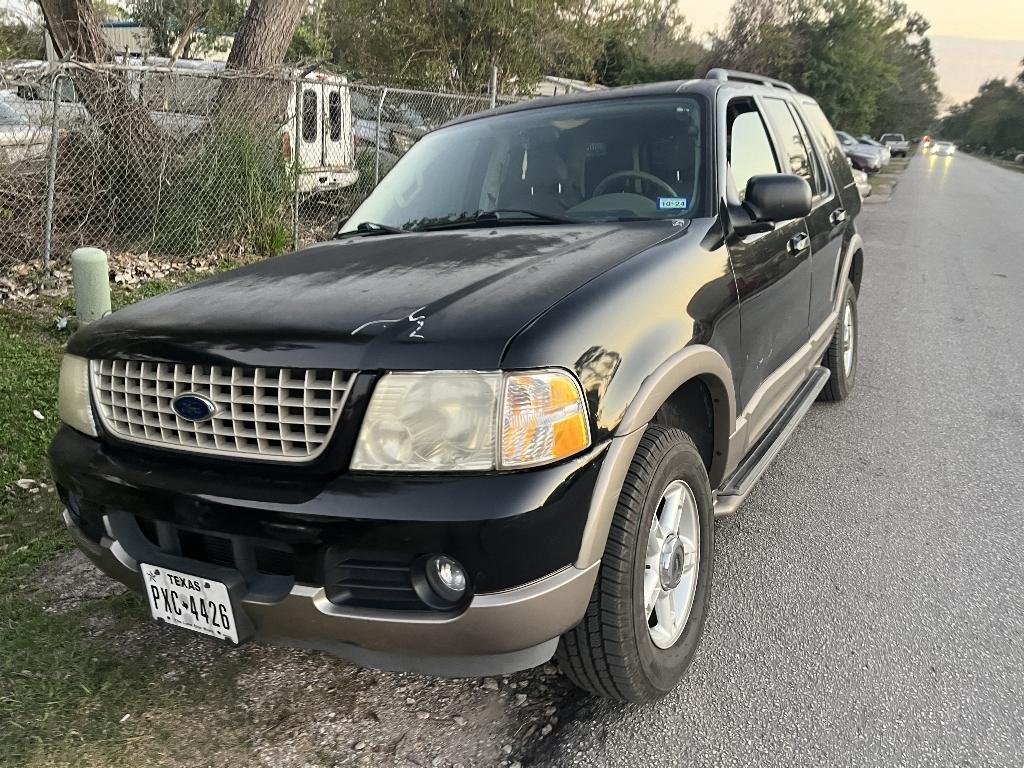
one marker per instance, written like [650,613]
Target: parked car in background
[1019,158]
[863,157]
[897,144]
[886,153]
[21,139]
[495,418]
[944,148]
[315,132]
[863,185]
[396,128]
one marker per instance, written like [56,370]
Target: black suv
[495,418]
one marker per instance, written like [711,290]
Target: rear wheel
[646,614]
[841,355]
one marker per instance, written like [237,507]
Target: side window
[826,135]
[795,144]
[750,151]
[309,115]
[820,184]
[334,115]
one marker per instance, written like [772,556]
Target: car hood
[436,300]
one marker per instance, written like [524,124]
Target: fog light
[446,577]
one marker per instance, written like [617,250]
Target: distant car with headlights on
[863,157]
[944,148]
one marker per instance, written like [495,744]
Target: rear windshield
[892,137]
[619,159]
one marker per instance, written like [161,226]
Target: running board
[735,489]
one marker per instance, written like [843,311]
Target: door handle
[799,243]
[838,216]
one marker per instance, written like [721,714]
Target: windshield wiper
[366,228]
[545,217]
[491,218]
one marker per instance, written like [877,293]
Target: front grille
[276,414]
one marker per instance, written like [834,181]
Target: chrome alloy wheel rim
[670,566]
[848,339]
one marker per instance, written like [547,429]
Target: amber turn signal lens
[544,418]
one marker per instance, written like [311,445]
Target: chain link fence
[191,162]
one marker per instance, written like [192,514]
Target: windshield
[620,159]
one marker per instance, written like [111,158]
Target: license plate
[188,601]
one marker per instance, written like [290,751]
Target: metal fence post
[493,86]
[296,168]
[51,174]
[376,137]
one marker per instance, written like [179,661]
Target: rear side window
[309,115]
[822,128]
[334,115]
[750,150]
[796,145]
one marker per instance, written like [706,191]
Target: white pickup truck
[897,144]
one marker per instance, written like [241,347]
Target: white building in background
[549,85]
[137,40]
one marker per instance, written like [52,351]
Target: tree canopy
[452,44]
[867,62]
[993,120]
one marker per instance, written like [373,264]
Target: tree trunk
[75,30]
[265,33]
[76,33]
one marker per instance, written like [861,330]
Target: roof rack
[746,77]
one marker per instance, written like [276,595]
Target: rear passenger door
[826,222]
[843,204]
[772,271]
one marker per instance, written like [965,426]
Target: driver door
[773,276]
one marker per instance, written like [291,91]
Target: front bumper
[518,535]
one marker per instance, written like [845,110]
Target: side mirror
[769,199]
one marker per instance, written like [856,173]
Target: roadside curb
[882,194]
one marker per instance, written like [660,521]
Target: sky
[972,41]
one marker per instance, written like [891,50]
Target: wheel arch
[675,381]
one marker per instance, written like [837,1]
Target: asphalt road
[868,603]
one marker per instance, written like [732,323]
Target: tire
[612,651]
[842,369]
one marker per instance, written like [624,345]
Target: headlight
[73,404]
[470,421]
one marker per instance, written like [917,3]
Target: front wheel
[841,355]
[646,615]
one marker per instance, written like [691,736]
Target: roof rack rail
[746,77]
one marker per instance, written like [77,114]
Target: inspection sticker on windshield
[188,601]
[672,203]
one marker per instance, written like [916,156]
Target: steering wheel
[642,175]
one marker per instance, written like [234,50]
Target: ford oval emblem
[193,407]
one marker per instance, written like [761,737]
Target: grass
[64,686]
